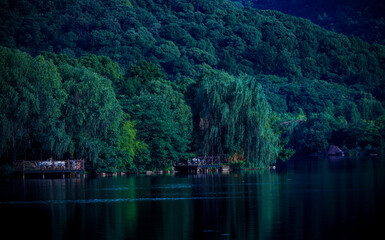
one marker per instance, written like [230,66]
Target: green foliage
[284,125]
[132,151]
[30,108]
[336,113]
[156,128]
[235,117]
[139,75]
[354,17]
[101,65]
[162,118]
[91,110]
[283,69]
[180,35]
[56,110]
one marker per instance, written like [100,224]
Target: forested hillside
[140,84]
[364,19]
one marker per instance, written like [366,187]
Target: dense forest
[132,85]
[364,19]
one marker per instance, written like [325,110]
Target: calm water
[312,199]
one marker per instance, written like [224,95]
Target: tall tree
[91,112]
[235,118]
[134,154]
[163,120]
[31,98]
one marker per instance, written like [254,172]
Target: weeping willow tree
[235,118]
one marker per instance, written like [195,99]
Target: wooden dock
[199,165]
[50,166]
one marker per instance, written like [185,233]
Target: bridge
[199,165]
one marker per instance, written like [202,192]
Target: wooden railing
[200,161]
[50,165]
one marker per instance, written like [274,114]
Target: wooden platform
[199,165]
[50,166]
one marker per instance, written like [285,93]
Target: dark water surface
[302,199]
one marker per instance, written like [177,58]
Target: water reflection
[303,199]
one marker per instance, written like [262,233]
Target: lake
[314,198]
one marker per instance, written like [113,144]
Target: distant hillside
[364,19]
[336,81]
[181,34]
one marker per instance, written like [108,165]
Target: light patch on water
[173,186]
[108,200]
[159,186]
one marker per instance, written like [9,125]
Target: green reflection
[312,199]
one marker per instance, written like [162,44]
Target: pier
[50,166]
[199,165]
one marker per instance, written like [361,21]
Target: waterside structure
[201,165]
[61,167]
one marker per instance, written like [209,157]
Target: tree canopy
[235,118]
[141,84]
